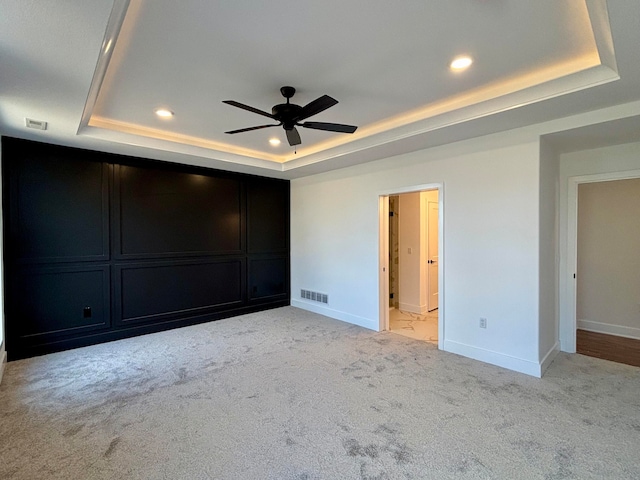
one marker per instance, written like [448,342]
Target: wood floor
[609,347]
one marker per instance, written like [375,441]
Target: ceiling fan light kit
[289,116]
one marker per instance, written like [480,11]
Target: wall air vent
[37,124]
[314,296]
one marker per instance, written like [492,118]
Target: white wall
[411,296]
[608,283]
[584,164]
[491,243]
[549,253]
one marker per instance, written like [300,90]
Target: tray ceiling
[386,63]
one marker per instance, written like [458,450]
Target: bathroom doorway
[411,240]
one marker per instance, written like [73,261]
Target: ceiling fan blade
[247,107]
[317,106]
[330,127]
[254,128]
[293,136]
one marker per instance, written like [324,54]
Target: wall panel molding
[164,290]
[100,247]
[57,217]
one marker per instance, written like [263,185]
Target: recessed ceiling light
[274,141]
[164,113]
[460,63]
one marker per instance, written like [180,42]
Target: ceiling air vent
[37,124]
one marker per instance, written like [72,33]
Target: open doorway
[410,240]
[574,318]
[607,273]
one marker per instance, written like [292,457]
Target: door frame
[568,291]
[383,258]
[429,237]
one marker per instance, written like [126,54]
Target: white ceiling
[95,70]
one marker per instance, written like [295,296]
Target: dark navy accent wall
[100,247]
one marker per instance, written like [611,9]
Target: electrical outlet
[483,322]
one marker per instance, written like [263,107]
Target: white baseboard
[619,330]
[337,314]
[494,358]
[3,361]
[549,357]
[408,307]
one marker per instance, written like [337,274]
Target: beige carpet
[287,394]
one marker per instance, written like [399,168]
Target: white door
[432,255]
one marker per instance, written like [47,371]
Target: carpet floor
[288,394]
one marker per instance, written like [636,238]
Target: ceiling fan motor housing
[287,113]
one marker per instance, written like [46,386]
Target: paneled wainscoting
[100,246]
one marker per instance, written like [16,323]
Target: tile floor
[420,327]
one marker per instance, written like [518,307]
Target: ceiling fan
[290,115]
